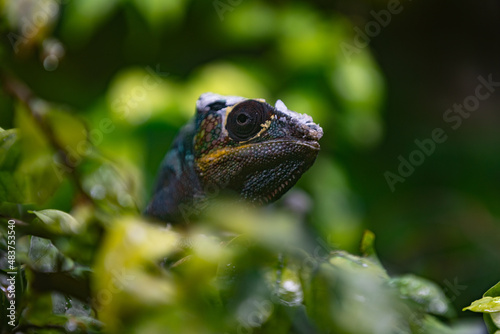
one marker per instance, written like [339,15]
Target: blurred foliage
[93,92]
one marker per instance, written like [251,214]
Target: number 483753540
[11,245]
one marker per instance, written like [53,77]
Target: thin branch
[21,92]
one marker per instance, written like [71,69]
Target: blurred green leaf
[358,83]
[290,290]
[423,292]
[431,325]
[83,17]
[138,94]
[58,222]
[112,185]
[342,297]
[40,174]
[278,231]
[368,244]
[45,257]
[253,21]
[305,37]
[62,313]
[335,215]
[161,12]
[40,313]
[126,281]
[69,132]
[12,185]
[9,152]
[359,86]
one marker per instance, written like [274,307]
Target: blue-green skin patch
[205,159]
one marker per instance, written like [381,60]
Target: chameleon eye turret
[244,146]
[246,119]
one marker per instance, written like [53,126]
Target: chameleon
[234,144]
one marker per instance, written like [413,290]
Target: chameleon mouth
[312,144]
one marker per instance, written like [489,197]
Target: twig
[21,92]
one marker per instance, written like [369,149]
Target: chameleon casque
[244,146]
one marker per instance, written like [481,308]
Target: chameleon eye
[242,119]
[246,118]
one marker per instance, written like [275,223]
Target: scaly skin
[235,145]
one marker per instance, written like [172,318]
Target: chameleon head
[252,148]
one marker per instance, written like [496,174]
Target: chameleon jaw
[205,162]
[314,145]
[259,172]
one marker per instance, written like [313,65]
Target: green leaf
[485,305]
[45,257]
[40,312]
[494,291]
[9,149]
[56,310]
[125,278]
[492,321]
[272,230]
[69,132]
[158,12]
[37,173]
[305,38]
[116,186]
[83,17]
[349,263]
[136,94]
[58,222]
[428,295]
[12,186]
[368,246]
[359,86]
[489,305]
[431,325]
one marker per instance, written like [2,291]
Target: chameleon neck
[178,187]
